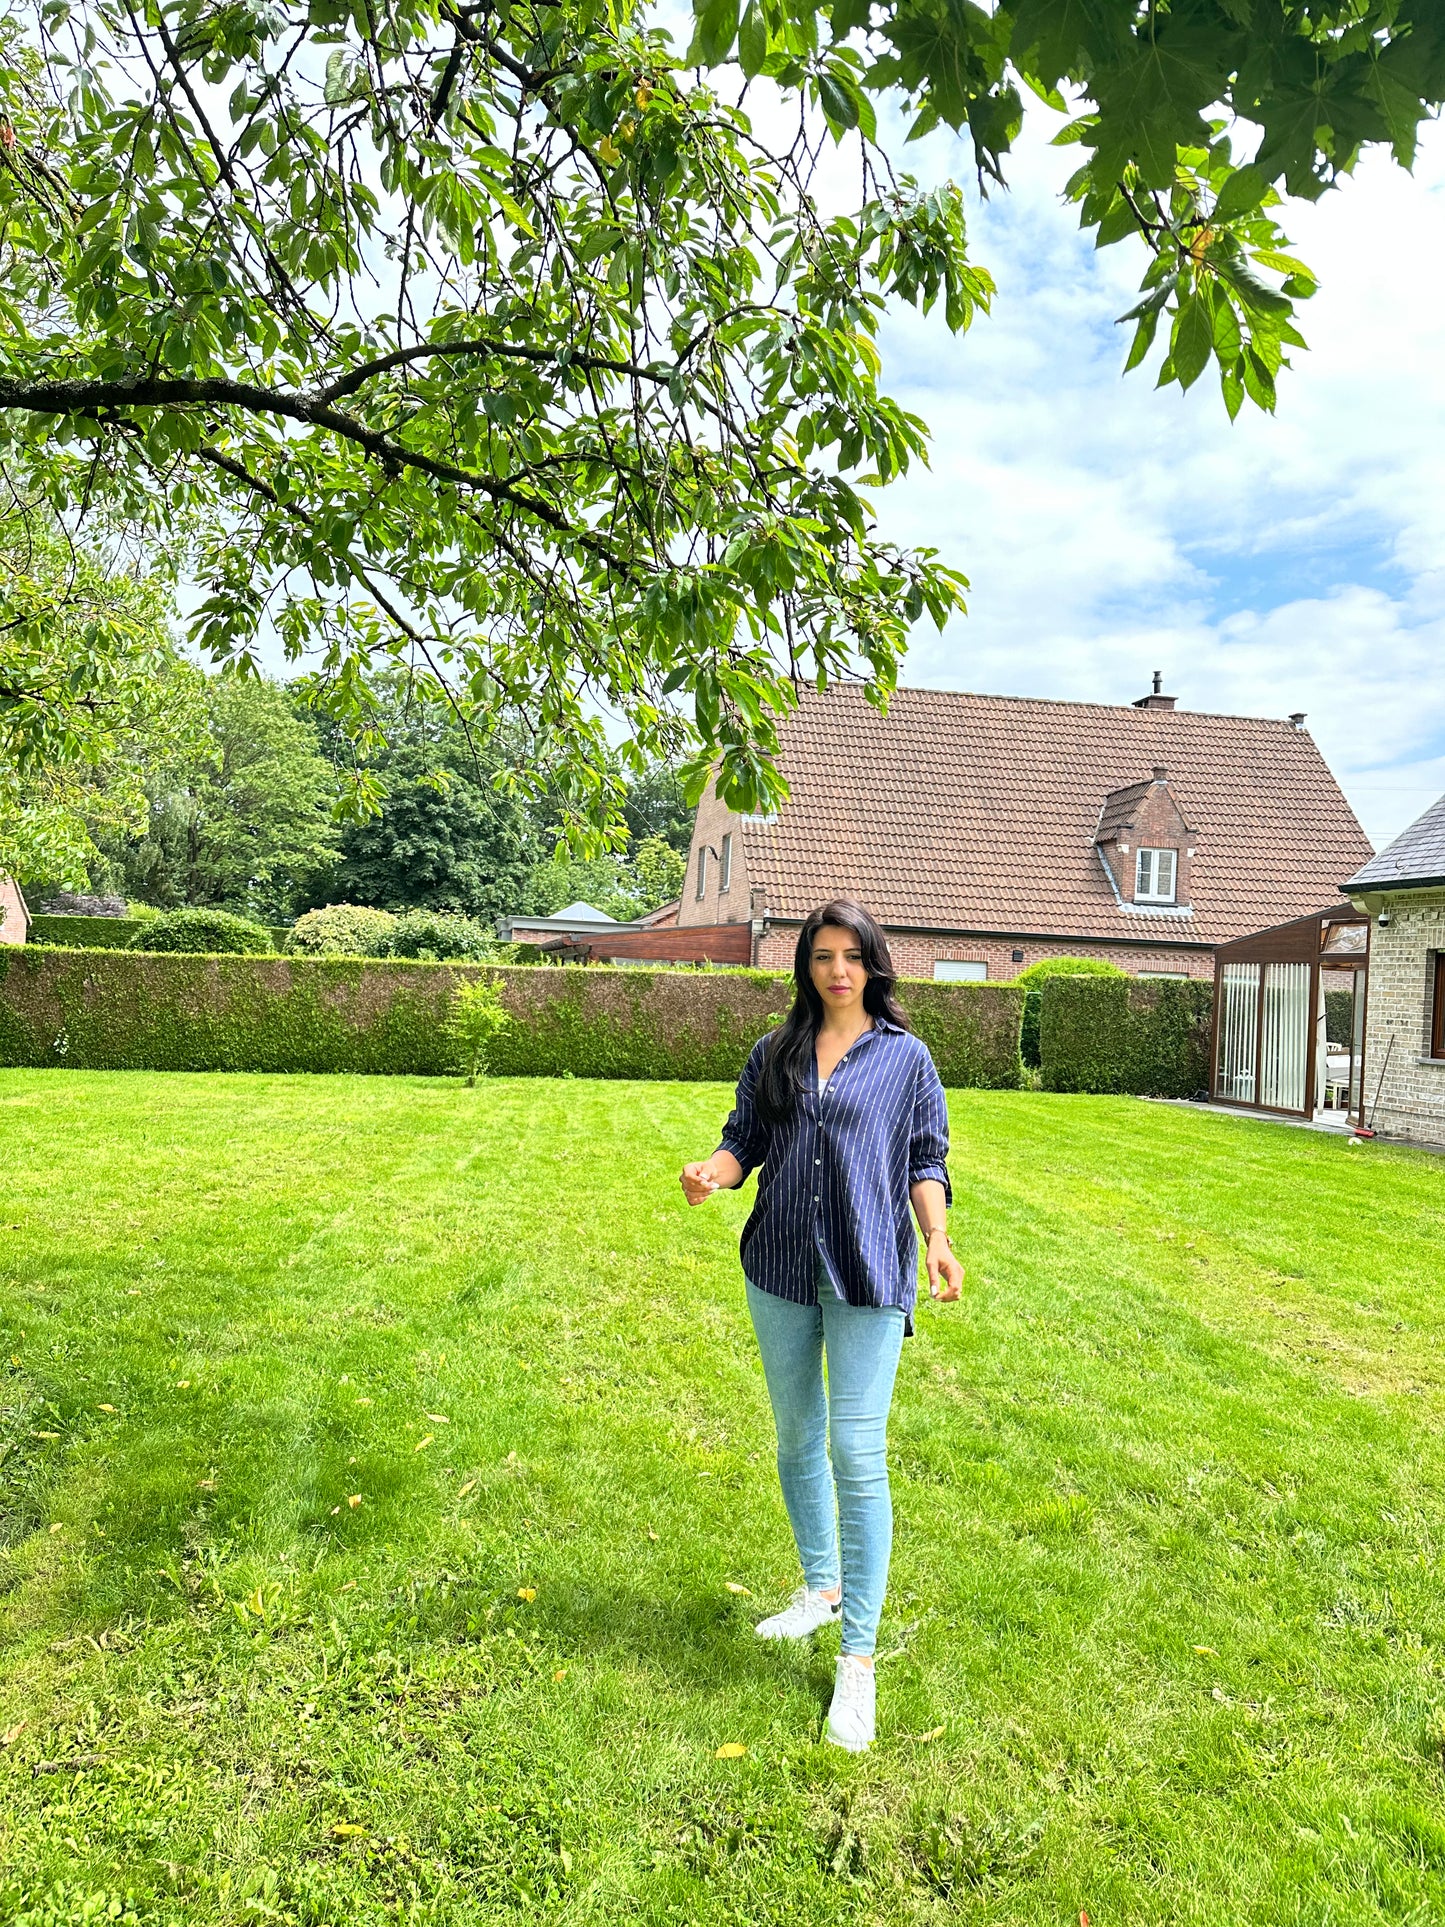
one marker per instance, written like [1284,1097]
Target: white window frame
[1146,875]
[701,871]
[960,970]
[725,866]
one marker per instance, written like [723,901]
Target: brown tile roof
[967,812]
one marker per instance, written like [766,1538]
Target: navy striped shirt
[835,1177]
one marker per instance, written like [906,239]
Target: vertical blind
[1238,1028]
[1284,1039]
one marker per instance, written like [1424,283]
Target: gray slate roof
[1417,855]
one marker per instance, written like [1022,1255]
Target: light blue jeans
[851,1414]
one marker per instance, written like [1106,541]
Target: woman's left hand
[945,1273]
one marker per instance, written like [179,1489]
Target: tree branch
[540,357]
[151,391]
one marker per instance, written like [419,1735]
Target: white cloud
[1286,563]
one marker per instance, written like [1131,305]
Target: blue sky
[1109,529]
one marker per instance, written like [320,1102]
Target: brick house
[14,915]
[987,832]
[1402,891]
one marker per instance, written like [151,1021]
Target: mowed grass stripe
[1167,1484]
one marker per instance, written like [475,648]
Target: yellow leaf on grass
[529,1593]
[561,1673]
[466,1488]
[12,1733]
[348,1587]
[363,1401]
[105,1408]
[348,1830]
[935,1733]
[57,1527]
[354,1501]
[734,1750]
[733,1586]
[1207,1651]
[438,1418]
[183,1384]
[45,1435]
[422,1444]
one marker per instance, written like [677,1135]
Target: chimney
[1297,719]
[1156,699]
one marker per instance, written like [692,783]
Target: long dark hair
[791,1046]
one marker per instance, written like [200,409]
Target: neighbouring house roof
[1417,856]
[663,916]
[581,913]
[979,813]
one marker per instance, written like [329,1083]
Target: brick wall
[12,924]
[915,956]
[1412,1096]
[713,822]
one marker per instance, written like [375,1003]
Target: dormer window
[1155,874]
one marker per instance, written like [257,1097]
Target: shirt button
[817,1160]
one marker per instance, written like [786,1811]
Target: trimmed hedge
[1032,982]
[109,933]
[1149,1038]
[108,1010]
[87,933]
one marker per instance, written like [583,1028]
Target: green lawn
[1164,1635]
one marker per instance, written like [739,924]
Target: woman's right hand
[699,1181]
[720,1172]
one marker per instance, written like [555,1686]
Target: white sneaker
[853,1714]
[805,1612]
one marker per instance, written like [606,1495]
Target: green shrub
[115,1010]
[341,930]
[209,931]
[1149,1037]
[1339,1016]
[1033,980]
[439,937]
[476,1020]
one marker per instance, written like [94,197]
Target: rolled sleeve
[745,1134]
[928,1141]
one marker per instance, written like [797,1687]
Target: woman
[843,1110]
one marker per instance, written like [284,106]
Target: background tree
[90,698]
[449,832]
[479,334]
[656,805]
[244,822]
[458,829]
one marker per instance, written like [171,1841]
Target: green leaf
[1192,341]
[752,40]
[717,26]
[838,103]
[1227,339]
[1143,339]
[337,87]
[1241,194]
